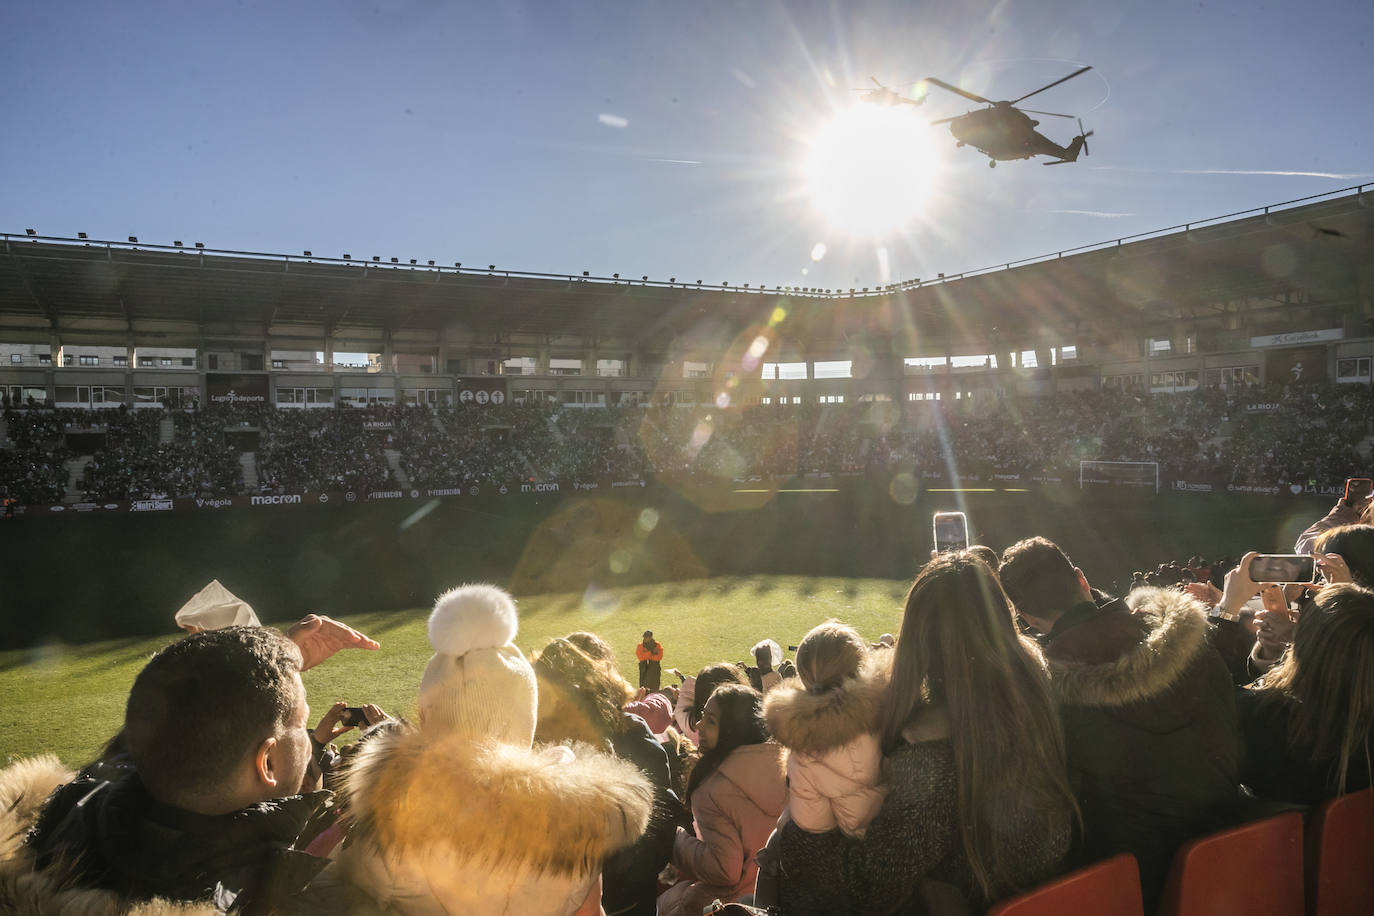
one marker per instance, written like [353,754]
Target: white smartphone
[951,531]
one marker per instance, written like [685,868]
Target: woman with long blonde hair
[979,801]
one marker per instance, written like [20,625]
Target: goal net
[1141,474]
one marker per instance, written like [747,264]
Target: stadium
[513,425]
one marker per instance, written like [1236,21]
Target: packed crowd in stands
[1270,435]
[907,774]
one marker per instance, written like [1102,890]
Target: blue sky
[475,133]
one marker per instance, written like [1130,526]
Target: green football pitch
[68,700]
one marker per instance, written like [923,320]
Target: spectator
[650,655]
[461,814]
[581,700]
[767,655]
[828,722]
[1307,726]
[691,699]
[215,729]
[1147,707]
[736,792]
[978,802]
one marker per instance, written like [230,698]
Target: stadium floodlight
[375,258]
[308,254]
[394,261]
[348,257]
[431,262]
[941,276]
[491,267]
[457,263]
[200,244]
[31,231]
[177,243]
[133,239]
[698,283]
[645,278]
[586,273]
[672,279]
[615,276]
[81,235]
[412,260]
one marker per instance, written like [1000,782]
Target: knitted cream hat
[478,684]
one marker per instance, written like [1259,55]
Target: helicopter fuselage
[1002,132]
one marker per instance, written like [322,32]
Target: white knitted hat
[478,684]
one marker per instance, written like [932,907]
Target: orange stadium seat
[1107,888]
[1252,870]
[1340,856]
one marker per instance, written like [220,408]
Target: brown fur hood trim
[24,786]
[495,805]
[814,723]
[1149,650]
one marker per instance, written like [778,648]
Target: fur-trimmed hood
[24,786]
[1127,652]
[813,723]
[494,806]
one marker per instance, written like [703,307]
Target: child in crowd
[828,721]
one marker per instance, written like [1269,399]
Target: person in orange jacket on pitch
[650,655]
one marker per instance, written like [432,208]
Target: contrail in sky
[1105,214]
[678,161]
[1341,175]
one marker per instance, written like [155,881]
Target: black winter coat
[1148,709]
[1276,768]
[104,830]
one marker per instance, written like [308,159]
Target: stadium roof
[1311,251]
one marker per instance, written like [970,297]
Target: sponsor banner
[385,494]
[1262,408]
[1246,488]
[1191,487]
[151,505]
[285,499]
[1297,337]
[235,388]
[484,392]
[377,424]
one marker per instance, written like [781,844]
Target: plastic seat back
[1255,869]
[1340,856]
[1108,888]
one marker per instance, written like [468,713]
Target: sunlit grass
[69,700]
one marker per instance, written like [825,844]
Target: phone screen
[951,531]
[1282,568]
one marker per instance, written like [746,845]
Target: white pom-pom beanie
[478,684]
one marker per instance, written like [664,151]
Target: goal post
[1139,474]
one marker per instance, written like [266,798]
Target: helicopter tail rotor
[1085,136]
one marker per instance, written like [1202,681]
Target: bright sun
[869,171]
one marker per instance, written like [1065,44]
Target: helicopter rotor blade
[1052,85]
[1085,137]
[1052,114]
[956,90]
[945,120]
[876,83]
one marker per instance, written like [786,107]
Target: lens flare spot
[648,520]
[778,317]
[903,489]
[818,251]
[621,561]
[759,346]
[600,602]
[723,400]
[700,436]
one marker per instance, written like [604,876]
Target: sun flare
[869,171]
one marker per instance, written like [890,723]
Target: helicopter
[1004,131]
[885,96]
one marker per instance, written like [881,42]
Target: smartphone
[1283,568]
[354,715]
[951,531]
[1357,489]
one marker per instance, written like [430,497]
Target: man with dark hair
[205,803]
[1147,705]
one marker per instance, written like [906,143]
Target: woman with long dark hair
[979,804]
[1307,725]
[736,792]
